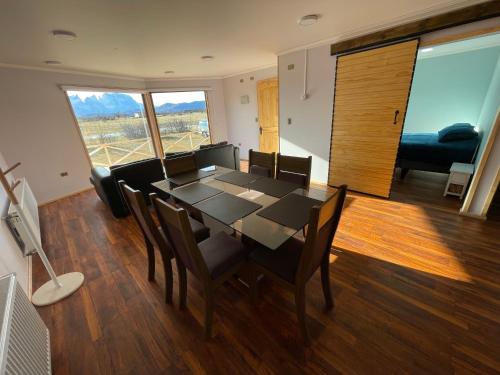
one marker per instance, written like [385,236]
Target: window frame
[150,113]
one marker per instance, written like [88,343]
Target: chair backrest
[294,169]
[182,164]
[262,163]
[320,232]
[137,205]
[175,223]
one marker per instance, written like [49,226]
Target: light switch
[289,121]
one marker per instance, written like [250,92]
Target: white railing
[100,154]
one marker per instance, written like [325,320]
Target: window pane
[113,126]
[182,120]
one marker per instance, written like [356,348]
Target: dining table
[267,210]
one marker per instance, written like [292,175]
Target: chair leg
[169,278]
[209,313]
[300,303]
[151,259]
[181,271]
[325,282]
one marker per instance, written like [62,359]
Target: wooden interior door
[267,97]
[371,95]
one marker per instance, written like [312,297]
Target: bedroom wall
[11,258]
[243,130]
[449,89]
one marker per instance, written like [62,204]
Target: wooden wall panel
[370,86]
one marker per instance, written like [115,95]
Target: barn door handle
[260,130]
[396,113]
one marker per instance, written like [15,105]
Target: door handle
[396,113]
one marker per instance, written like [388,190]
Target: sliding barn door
[371,94]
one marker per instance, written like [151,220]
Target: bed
[424,151]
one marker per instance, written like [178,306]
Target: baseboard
[474,216]
[64,196]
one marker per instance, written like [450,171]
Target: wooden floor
[417,291]
[424,189]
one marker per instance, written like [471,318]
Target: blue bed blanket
[425,147]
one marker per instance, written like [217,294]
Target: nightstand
[458,180]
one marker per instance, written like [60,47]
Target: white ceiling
[144,38]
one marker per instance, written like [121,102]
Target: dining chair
[293,264]
[262,163]
[178,165]
[154,236]
[294,169]
[212,261]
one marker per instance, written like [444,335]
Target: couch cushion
[224,156]
[282,261]
[221,252]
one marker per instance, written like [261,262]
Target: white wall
[11,258]
[37,127]
[311,119]
[449,89]
[243,130]
[215,97]
[485,123]
[309,133]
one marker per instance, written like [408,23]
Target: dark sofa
[139,175]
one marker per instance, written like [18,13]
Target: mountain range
[119,104]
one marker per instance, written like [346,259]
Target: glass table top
[260,229]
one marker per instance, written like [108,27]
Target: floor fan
[58,287]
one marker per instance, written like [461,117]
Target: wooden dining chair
[294,169]
[154,236]
[212,261]
[262,163]
[293,264]
[178,165]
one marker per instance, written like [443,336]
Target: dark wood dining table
[229,198]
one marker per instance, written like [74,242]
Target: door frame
[279,118]
[406,107]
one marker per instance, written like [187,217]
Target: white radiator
[17,226]
[24,338]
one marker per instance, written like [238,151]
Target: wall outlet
[291,66]
[63,174]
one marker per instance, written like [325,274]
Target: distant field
[125,139]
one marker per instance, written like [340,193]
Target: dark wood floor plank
[415,285]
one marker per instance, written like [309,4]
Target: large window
[182,120]
[113,126]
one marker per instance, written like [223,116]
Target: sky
[158,98]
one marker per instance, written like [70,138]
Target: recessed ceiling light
[52,62]
[64,34]
[308,20]
[425,50]
[207,57]
[169,72]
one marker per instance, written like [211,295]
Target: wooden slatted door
[371,95]
[267,95]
